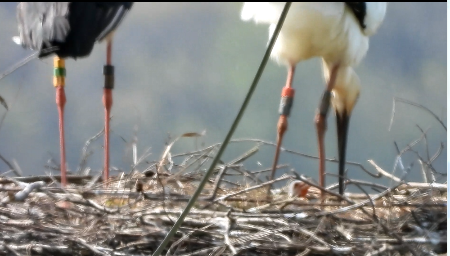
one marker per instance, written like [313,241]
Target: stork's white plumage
[338,32]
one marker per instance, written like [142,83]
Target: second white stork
[338,32]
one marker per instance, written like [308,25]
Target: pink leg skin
[282,121]
[60,103]
[107,103]
[321,125]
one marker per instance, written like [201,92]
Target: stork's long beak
[342,121]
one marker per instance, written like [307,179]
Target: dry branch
[232,217]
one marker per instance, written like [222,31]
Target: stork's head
[346,89]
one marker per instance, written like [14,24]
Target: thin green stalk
[196,194]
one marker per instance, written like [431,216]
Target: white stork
[338,32]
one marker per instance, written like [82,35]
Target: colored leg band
[59,72]
[287,100]
[286,105]
[108,71]
[325,103]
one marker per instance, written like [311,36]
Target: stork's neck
[346,87]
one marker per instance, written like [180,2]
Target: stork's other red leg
[108,71]
[108,51]
[321,123]
[107,103]
[59,82]
[287,98]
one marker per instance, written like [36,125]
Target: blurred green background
[185,67]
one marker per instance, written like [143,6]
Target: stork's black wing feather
[359,9]
[111,16]
[71,29]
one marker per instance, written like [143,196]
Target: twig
[11,167]
[416,105]
[284,177]
[70,178]
[22,195]
[91,248]
[84,152]
[217,182]
[229,223]
[383,172]
[185,237]
[262,142]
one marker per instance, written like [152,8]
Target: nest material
[132,213]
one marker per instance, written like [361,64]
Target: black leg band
[108,71]
[325,103]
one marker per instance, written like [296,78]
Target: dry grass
[132,213]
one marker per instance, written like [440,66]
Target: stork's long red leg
[321,123]
[108,71]
[59,82]
[287,98]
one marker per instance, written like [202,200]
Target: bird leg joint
[282,125]
[108,71]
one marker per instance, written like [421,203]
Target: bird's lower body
[287,98]
[59,83]
[320,121]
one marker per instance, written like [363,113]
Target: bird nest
[131,213]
